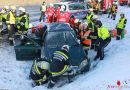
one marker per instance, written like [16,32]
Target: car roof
[59,26]
[66,3]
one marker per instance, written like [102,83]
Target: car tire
[86,68]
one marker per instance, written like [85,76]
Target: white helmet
[51,5]
[91,9]
[95,17]
[6,7]
[62,8]
[3,11]
[22,9]
[44,65]
[65,47]
[13,7]
[76,21]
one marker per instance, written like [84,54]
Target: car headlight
[83,63]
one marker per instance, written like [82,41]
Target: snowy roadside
[14,74]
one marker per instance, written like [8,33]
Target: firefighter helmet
[12,7]
[6,7]
[65,47]
[22,9]
[44,65]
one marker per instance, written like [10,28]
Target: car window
[57,39]
[76,7]
[54,39]
[59,5]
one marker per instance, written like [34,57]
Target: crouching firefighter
[40,72]
[59,65]
[103,40]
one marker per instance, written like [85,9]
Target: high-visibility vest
[4,16]
[43,8]
[11,18]
[26,24]
[59,55]
[121,24]
[89,18]
[103,32]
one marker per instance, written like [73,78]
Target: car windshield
[76,7]
[59,5]
[57,39]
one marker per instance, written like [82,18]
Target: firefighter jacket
[60,62]
[103,33]
[22,23]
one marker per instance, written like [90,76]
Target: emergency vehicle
[100,5]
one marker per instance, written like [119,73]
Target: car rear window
[57,39]
[59,5]
[76,7]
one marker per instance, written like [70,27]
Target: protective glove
[124,26]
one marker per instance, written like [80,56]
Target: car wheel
[85,66]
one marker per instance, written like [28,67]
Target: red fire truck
[123,2]
[100,5]
[128,3]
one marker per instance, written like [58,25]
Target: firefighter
[50,13]
[113,10]
[103,40]
[64,16]
[84,33]
[40,71]
[71,21]
[94,33]
[4,12]
[78,27]
[59,64]
[11,19]
[22,21]
[120,26]
[89,15]
[43,10]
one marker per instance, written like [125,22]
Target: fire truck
[128,3]
[100,5]
[123,2]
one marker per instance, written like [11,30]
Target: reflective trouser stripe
[61,72]
[35,63]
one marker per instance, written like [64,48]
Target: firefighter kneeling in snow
[103,40]
[59,64]
[120,26]
[40,72]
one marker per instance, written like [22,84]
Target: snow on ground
[116,66]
